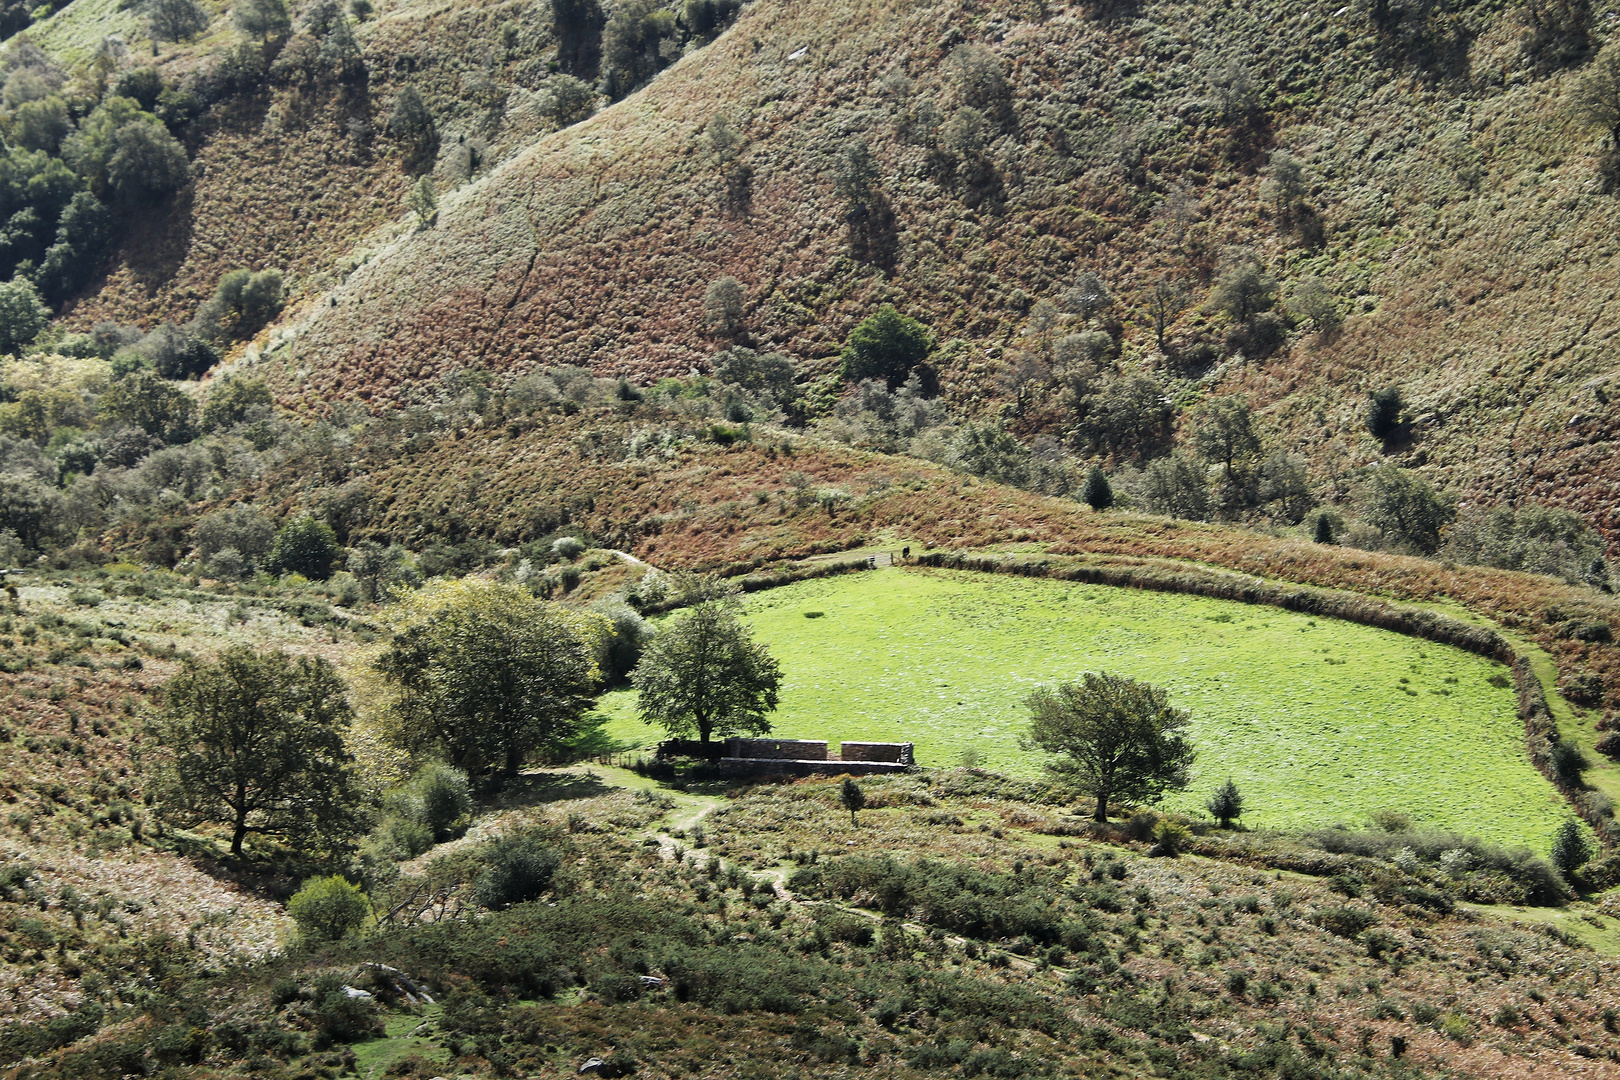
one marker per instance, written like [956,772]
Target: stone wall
[899,753]
[777,749]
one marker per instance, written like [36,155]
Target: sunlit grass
[1318,721]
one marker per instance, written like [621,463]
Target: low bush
[327,909]
[518,869]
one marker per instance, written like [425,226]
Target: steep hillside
[1449,204]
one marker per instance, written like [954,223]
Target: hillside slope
[1452,209]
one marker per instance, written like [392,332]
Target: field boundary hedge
[1540,728]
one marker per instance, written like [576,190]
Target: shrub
[1225,804]
[175,20]
[519,869]
[327,909]
[565,100]
[341,1017]
[1345,922]
[242,304]
[1570,848]
[1171,838]
[305,546]
[1384,408]
[1096,493]
[411,125]
[445,797]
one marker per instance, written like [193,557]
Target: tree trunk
[239,835]
[1102,808]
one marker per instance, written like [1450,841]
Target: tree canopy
[1117,738]
[486,674]
[886,345]
[254,741]
[706,676]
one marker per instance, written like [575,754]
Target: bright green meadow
[1318,721]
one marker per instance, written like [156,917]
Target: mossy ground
[1318,721]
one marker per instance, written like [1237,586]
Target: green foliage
[851,797]
[1125,413]
[487,673]
[886,345]
[340,1017]
[378,568]
[1119,738]
[706,676]
[1571,849]
[706,18]
[22,315]
[239,529]
[1596,101]
[266,20]
[254,742]
[1225,804]
[42,124]
[723,307]
[243,303]
[175,20]
[83,232]
[411,125]
[1175,486]
[1171,837]
[638,40]
[143,400]
[769,375]
[146,164]
[328,909]
[423,201]
[444,797]
[230,400]
[143,85]
[1097,493]
[1225,434]
[1384,411]
[518,869]
[1244,290]
[176,352]
[1406,507]
[306,546]
[621,647]
[1532,538]
[565,100]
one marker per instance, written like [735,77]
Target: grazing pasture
[1318,721]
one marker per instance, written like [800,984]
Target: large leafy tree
[706,676]
[886,345]
[1406,507]
[254,741]
[486,674]
[306,546]
[1117,738]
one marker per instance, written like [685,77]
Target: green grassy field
[1318,721]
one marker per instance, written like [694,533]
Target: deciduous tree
[486,674]
[1406,507]
[1117,738]
[706,676]
[254,741]
[886,345]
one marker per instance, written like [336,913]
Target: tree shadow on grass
[543,788]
